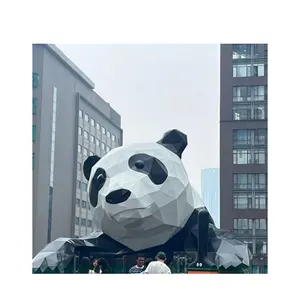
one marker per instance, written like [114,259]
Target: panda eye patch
[149,165]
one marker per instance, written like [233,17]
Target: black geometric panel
[97,183]
[175,141]
[88,164]
[149,165]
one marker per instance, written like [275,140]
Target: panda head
[141,192]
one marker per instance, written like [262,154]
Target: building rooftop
[70,64]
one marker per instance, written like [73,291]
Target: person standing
[85,266]
[139,267]
[159,266]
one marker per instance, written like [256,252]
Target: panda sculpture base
[143,202]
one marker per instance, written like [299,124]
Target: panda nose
[118,196]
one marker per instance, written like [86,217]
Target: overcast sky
[159,87]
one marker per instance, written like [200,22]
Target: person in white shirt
[158,266]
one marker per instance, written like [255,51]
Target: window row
[247,181]
[249,111]
[257,156]
[249,93]
[244,51]
[86,151]
[81,185]
[249,224]
[83,222]
[248,70]
[253,137]
[84,204]
[97,125]
[90,137]
[250,200]
[256,245]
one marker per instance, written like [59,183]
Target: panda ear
[175,141]
[88,164]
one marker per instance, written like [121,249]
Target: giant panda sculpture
[143,202]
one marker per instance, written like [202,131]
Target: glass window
[113,137]
[83,222]
[79,149]
[103,146]
[79,130]
[248,70]
[97,142]
[249,156]
[86,117]
[85,151]
[33,133]
[34,104]
[77,202]
[32,161]
[89,223]
[86,135]
[80,113]
[108,134]
[83,204]
[77,221]
[92,122]
[244,51]
[78,166]
[241,200]
[77,184]
[92,139]
[83,186]
[103,130]
[98,126]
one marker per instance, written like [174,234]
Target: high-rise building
[70,122]
[244,146]
[210,192]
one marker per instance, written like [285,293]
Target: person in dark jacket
[86,266]
[104,267]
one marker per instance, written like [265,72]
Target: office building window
[244,51]
[78,184]
[85,151]
[78,166]
[32,161]
[92,122]
[86,117]
[89,223]
[248,181]
[77,202]
[252,137]
[108,134]
[79,130]
[249,156]
[83,204]
[248,70]
[35,80]
[97,142]
[98,126]
[107,148]
[83,186]
[250,227]
[103,130]
[34,104]
[249,111]
[33,133]
[103,146]
[79,149]
[80,113]
[250,200]
[254,93]
[83,222]
[113,137]
[77,221]
[257,245]
[92,139]
[86,135]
